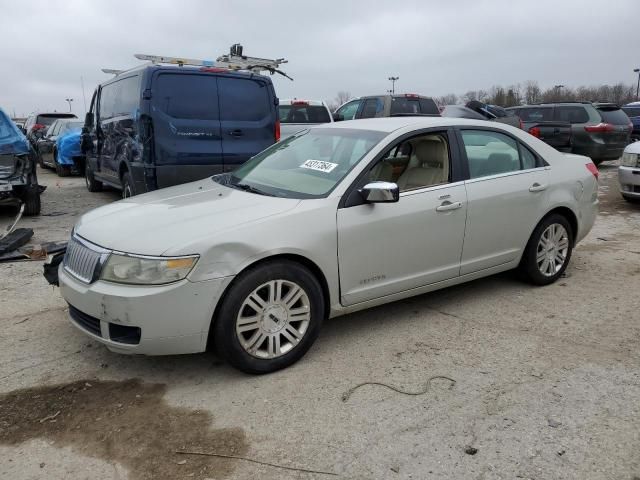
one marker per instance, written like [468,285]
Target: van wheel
[90,181]
[128,189]
[31,200]
[269,318]
[548,252]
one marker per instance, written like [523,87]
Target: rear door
[247,118]
[186,126]
[507,195]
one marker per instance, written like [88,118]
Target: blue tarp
[12,140]
[68,146]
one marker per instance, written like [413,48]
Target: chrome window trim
[430,188]
[505,174]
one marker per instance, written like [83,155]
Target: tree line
[530,92]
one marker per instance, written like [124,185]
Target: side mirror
[88,120]
[337,117]
[380,192]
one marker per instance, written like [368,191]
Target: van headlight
[141,270]
[630,160]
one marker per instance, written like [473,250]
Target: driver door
[388,248]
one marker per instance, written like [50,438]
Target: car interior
[416,163]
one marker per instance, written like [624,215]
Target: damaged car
[332,220]
[18,179]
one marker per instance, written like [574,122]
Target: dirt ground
[508,380]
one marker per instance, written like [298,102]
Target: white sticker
[319,165]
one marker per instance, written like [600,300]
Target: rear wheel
[270,317]
[61,170]
[90,181]
[549,250]
[128,189]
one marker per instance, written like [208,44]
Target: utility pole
[69,100]
[393,84]
[558,91]
[637,70]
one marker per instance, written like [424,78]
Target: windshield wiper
[252,189]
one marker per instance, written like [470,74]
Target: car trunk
[556,134]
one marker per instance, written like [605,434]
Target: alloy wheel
[552,250]
[273,319]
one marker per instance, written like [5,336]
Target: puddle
[124,422]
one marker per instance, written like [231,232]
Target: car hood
[152,223]
[633,148]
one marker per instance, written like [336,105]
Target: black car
[46,146]
[158,125]
[386,106]
[598,130]
[18,179]
[37,124]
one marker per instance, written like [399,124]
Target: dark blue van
[633,112]
[156,126]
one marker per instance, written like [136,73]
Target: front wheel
[270,317]
[90,181]
[127,185]
[31,200]
[549,250]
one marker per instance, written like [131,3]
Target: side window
[418,162]
[106,102]
[125,96]
[406,105]
[371,107]
[243,100]
[528,159]
[349,110]
[186,96]
[535,114]
[575,114]
[490,153]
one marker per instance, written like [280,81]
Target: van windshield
[306,165]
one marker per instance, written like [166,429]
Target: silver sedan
[332,220]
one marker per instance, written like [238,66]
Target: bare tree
[532,93]
[448,99]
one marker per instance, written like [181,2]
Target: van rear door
[247,117]
[186,126]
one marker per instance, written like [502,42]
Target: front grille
[89,323]
[82,259]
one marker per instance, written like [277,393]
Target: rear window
[49,118]
[193,97]
[541,114]
[632,111]
[243,99]
[304,114]
[405,105]
[572,114]
[615,116]
[429,107]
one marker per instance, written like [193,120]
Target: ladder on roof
[234,61]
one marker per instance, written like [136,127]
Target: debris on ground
[14,240]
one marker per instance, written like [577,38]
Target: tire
[254,349]
[128,189]
[31,201]
[542,265]
[61,170]
[90,181]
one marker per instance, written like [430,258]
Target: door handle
[236,133]
[536,187]
[447,206]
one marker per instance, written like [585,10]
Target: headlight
[140,270]
[630,160]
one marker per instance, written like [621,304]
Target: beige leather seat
[430,166]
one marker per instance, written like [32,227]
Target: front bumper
[169,319]
[629,180]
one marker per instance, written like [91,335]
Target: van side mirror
[337,117]
[88,120]
[380,192]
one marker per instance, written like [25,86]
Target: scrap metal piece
[15,222]
[15,239]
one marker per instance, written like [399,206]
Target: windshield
[306,165]
[304,114]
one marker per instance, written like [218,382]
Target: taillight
[593,169]
[600,128]
[411,95]
[535,131]
[277,132]
[38,126]
[520,124]
[299,102]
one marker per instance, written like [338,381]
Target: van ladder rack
[233,61]
[112,71]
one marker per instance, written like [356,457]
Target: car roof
[289,101]
[390,124]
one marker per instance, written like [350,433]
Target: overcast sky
[435,47]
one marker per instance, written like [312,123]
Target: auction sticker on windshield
[319,165]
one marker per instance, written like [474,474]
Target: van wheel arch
[304,261]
